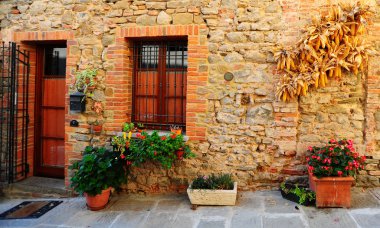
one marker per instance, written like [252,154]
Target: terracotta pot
[311,182]
[91,88]
[98,202]
[97,129]
[180,154]
[332,191]
[176,131]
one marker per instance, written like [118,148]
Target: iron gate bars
[14,90]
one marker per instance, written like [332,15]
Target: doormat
[29,210]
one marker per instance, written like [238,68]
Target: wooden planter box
[332,191]
[212,197]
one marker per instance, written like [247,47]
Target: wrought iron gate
[14,81]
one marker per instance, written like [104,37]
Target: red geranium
[337,159]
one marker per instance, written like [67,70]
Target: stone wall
[236,126]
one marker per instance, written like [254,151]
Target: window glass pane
[148,56]
[55,61]
[176,55]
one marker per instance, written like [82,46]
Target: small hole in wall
[245,99]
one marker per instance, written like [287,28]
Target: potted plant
[176,129]
[331,171]
[85,81]
[128,127]
[97,127]
[297,190]
[213,190]
[96,173]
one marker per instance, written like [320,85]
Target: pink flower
[310,148]
[331,148]
[340,173]
[122,156]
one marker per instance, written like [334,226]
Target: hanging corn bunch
[330,45]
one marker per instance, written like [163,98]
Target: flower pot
[97,129]
[212,197]
[180,154]
[91,88]
[98,202]
[332,191]
[311,182]
[176,131]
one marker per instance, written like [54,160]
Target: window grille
[159,83]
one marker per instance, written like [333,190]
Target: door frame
[39,170]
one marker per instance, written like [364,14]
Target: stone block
[156,5]
[182,18]
[146,20]
[163,18]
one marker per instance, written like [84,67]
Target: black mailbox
[77,102]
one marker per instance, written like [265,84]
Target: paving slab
[159,219]
[246,219]
[330,218]
[132,205]
[92,219]
[205,223]
[214,211]
[366,218]
[169,205]
[274,203]
[359,199]
[293,221]
[184,221]
[130,219]
[250,202]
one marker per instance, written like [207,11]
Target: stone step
[36,187]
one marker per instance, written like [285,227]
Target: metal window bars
[159,83]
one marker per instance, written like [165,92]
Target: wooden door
[50,111]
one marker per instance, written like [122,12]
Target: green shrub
[99,169]
[220,182]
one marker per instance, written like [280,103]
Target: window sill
[160,133]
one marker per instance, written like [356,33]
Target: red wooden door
[50,111]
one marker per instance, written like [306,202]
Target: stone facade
[235,127]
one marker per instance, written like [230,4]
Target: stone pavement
[253,209]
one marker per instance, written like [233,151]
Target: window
[55,61]
[159,83]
